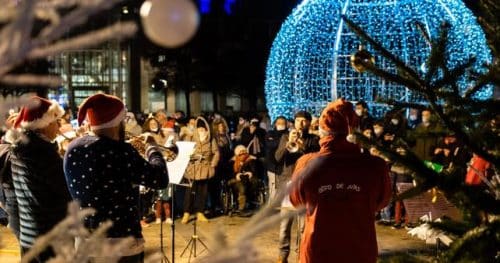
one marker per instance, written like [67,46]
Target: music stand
[164,256]
[194,237]
[192,241]
[176,170]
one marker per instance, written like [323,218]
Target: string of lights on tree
[309,64]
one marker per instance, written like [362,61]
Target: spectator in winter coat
[451,151]
[272,141]
[426,136]
[37,172]
[254,137]
[414,118]
[202,166]
[341,189]
[187,132]
[223,171]
[104,172]
[152,127]
[365,120]
[132,128]
[286,158]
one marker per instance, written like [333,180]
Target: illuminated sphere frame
[309,64]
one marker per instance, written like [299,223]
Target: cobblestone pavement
[389,240]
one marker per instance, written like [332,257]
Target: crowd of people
[245,156]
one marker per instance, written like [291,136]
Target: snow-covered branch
[18,45]
[117,31]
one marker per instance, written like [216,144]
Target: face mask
[378,131]
[425,119]
[359,112]
[395,121]
[154,129]
[280,127]
[322,133]
[413,117]
[202,135]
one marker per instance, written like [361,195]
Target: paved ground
[389,240]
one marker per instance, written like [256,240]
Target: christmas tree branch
[403,104]
[377,46]
[468,245]
[452,76]
[430,93]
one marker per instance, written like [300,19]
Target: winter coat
[341,189]
[105,174]
[255,142]
[42,194]
[205,157]
[287,160]
[273,138]
[425,139]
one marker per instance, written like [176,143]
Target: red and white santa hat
[102,111]
[338,118]
[38,113]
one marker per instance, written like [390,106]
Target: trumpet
[169,151]
[296,144]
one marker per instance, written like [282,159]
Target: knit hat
[240,149]
[102,111]
[38,114]
[338,118]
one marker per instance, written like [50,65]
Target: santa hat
[338,118]
[38,114]
[102,111]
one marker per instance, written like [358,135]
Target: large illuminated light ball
[309,64]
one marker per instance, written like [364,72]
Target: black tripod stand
[194,237]
[192,243]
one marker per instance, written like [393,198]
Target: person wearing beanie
[244,180]
[200,169]
[286,157]
[104,172]
[37,173]
[341,189]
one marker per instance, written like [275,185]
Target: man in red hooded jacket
[341,190]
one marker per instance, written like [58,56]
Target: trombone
[169,150]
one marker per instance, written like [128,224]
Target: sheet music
[177,167]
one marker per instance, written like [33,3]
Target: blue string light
[309,61]
[228,6]
[205,6]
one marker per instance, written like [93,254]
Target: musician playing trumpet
[291,147]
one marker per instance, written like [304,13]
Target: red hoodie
[342,190]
